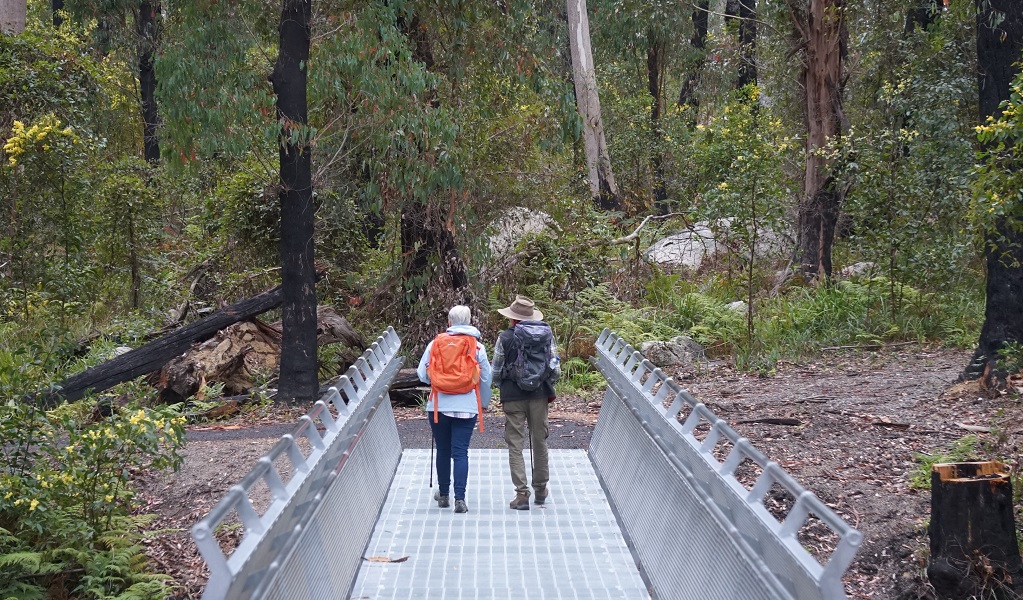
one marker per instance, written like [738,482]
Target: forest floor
[865,419]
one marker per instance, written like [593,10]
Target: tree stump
[973,533]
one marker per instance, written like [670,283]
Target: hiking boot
[521,502]
[460,506]
[442,501]
[540,497]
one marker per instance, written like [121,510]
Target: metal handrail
[368,377]
[623,366]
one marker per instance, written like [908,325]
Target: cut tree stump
[973,534]
[152,356]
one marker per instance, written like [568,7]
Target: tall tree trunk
[12,16]
[655,63]
[148,15]
[424,234]
[298,378]
[603,187]
[747,15]
[687,94]
[55,7]
[999,48]
[822,31]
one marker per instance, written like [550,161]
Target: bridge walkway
[571,548]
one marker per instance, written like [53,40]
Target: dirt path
[863,418]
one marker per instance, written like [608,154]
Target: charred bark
[655,63]
[747,15]
[973,532]
[147,38]
[152,356]
[923,15]
[698,42]
[999,49]
[821,30]
[298,378]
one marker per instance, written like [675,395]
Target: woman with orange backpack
[456,366]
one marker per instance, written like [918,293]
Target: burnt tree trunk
[698,44]
[147,31]
[424,234]
[298,379]
[922,15]
[655,64]
[747,15]
[973,532]
[999,48]
[154,355]
[821,30]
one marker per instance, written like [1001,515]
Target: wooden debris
[152,356]
[771,421]
[974,428]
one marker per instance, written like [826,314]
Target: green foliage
[66,502]
[578,376]
[964,449]
[998,200]
[1010,357]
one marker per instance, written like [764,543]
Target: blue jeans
[452,437]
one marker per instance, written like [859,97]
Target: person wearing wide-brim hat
[526,402]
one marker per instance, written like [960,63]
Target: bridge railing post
[343,413]
[727,544]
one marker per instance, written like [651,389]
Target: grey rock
[678,351]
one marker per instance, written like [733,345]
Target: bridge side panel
[678,538]
[326,559]
[307,544]
[697,532]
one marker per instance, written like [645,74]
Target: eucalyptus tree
[134,25]
[745,13]
[819,27]
[999,49]
[642,45]
[603,187]
[693,62]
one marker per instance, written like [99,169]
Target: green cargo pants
[517,414]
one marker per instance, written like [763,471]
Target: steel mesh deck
[572,548]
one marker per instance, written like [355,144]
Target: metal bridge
[667,502]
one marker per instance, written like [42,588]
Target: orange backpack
[453,369]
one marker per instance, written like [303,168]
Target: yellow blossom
[34,504]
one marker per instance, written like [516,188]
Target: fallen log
[771,421]
[244,354]
[152,356]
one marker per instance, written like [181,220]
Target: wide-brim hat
[522,309]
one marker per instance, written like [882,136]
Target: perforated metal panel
[308,542]
[697,531]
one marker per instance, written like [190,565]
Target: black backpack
[531,365]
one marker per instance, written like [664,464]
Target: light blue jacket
[461,402]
